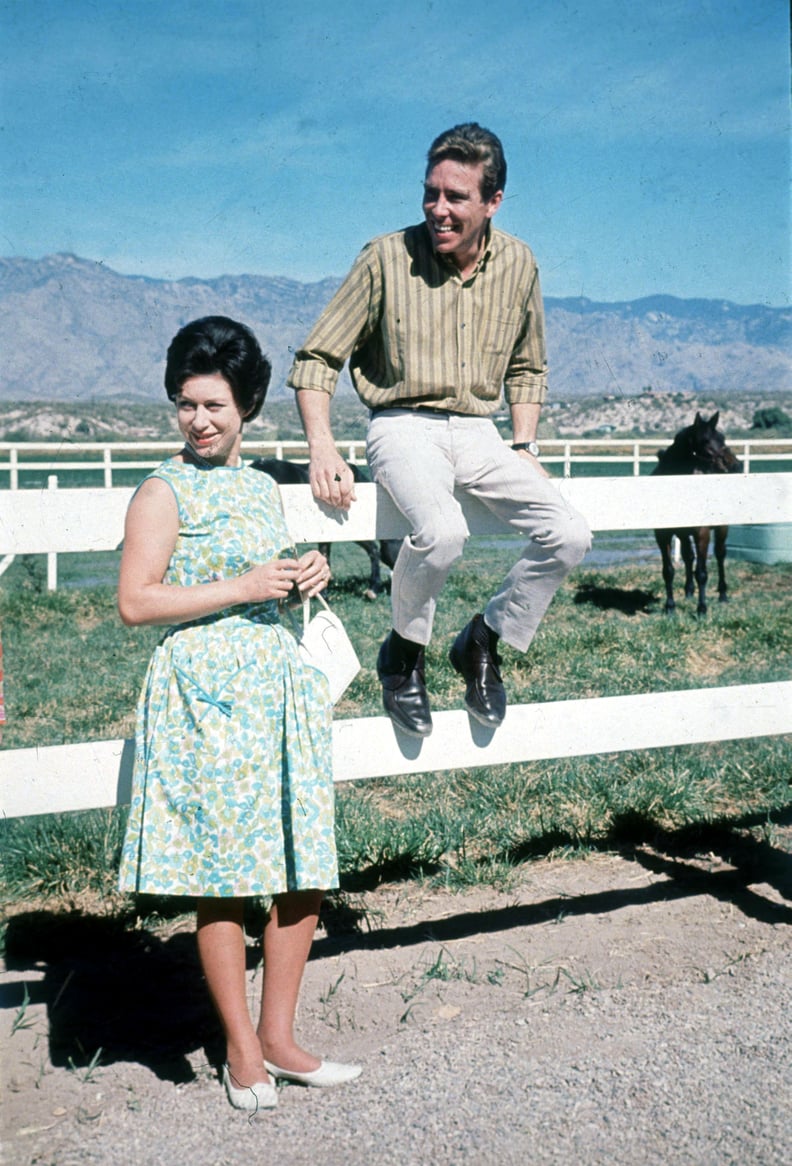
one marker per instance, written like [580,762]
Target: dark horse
[699,449]
[296,474]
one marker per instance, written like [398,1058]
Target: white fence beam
[88,775]
[59,521]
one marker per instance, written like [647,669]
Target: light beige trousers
[421,458]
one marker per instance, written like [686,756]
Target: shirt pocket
[499,332]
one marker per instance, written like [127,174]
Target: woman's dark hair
[215,344]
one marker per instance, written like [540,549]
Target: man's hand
[537,465]
[332,480]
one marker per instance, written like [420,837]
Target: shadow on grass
[630,602]
[138,997]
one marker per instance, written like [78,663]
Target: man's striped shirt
[416,333]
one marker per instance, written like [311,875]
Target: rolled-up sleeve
[346,322]
[525,381]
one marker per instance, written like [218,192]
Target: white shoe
[262,1095]
[328,1074]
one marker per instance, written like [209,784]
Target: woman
[233,790]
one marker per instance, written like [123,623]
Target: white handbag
[325,645]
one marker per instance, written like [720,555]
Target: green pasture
[73,673]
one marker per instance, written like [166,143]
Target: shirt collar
[447,264]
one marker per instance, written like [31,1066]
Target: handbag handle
[306,607]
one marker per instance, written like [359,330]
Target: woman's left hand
[314,573]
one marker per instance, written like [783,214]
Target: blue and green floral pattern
[232,791]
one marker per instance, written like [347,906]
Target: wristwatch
[531,446]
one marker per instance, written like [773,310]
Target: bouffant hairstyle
[471,143]
[215,344]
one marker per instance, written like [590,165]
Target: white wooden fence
[86,775]
[107,458]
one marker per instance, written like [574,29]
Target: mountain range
[73,329]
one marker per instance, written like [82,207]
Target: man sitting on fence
[435,320]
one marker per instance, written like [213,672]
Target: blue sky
[648,146]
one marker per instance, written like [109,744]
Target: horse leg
[375,580]
[702,537]
[663,539]
[721,533]
[688,555]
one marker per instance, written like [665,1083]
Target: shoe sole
[409,732]
[487,723]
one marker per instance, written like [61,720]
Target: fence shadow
[630,602]
[138,997]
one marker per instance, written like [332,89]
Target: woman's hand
[278,578]
[313,574]
[273,580]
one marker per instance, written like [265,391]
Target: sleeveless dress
[232,791]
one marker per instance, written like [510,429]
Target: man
[436,320]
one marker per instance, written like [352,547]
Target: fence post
[52,557]
[13,466]
[637,460]
[568,460]
[746,458]
[107,457]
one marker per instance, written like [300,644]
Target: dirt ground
[586,1014]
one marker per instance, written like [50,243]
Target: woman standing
[233,793]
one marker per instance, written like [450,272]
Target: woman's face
[209,419]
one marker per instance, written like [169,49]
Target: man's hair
[216,344]
[470,143]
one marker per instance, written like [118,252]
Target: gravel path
[605,1011]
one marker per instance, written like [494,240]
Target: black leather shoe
[474,659]
[404,695]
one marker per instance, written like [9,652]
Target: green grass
[73,673]
[64,857]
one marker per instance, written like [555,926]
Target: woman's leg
[288,935]
[221,948]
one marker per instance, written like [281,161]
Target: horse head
[712,454]
[699,448]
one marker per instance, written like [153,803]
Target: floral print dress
[232,791]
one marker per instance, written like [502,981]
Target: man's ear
[494,203]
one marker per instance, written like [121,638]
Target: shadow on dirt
[123,990]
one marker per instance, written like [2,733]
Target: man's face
[455,212]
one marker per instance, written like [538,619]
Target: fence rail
[89,519]
[107,459]
[93,774]
[90,774]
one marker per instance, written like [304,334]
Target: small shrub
[772,418]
